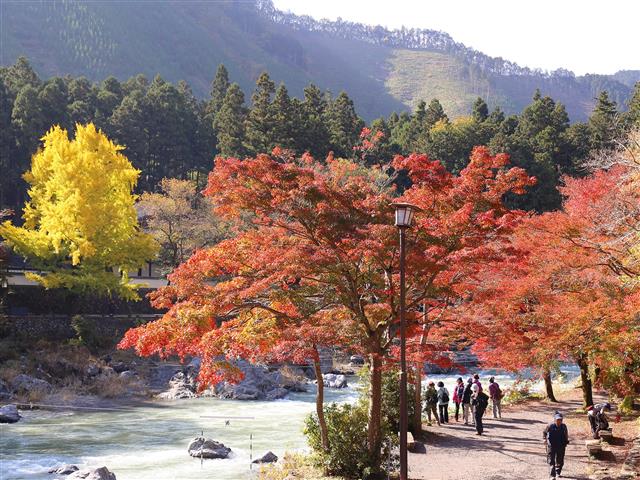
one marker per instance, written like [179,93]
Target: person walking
[431,402]
[458,393]
[443,403]
[556,437]
[496,397]
[476,381]
[467,409]
[480,401]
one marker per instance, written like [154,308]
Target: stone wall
[59,327]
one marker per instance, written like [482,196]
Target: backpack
[445,396]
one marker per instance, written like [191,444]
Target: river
[150,442]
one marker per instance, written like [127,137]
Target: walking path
[509,449]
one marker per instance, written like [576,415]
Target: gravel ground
[509,449]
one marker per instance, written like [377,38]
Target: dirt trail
[509,449]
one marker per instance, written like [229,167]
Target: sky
[584,36]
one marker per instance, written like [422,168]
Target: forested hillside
[383,70]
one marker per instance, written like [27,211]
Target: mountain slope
[381,70]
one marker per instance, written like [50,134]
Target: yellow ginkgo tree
[80,223]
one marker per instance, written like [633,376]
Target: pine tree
[604,123]
[344,125]
[259,129]
[480,111]
[313,134]
[434,113]
[230,123]
[633,114]
[219,88]
[284,119]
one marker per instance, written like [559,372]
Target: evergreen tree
[53,103]
[230,123]
[219,88]
[434,113]
[313,136]
[344,125]
[20,75]
[259,129]
[604,123]
[284,120]
[480,111]
[632,117]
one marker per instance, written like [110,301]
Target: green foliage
[229,123]
[87,333]
[347,431]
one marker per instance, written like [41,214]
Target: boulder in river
[101,473]
[332,380]
[258,384]
[24,384]
[268,457]
[64,469]
[9,414]
[201,447]
[356,360]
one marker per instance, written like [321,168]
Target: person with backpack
[467,411]
[480,401]
[458,393]
[556,437]
[496,397]
[431,402]
[598,418]
[443,403]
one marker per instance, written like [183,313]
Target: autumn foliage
[313,259]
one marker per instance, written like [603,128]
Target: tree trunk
[417,401]
[548,385]
[324,435]
[587,388]
[627,404]
[374,433]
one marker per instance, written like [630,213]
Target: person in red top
[476,381]
[496,396]
[458,393]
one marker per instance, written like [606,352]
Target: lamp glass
[404,215]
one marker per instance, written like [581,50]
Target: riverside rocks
[9,414]
[64,470]
[101,473]
[25,384]
[268,457]
[201,447]
[5,393]
[258,384]
[182,385]
[332,380]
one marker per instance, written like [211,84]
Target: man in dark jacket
[556,436]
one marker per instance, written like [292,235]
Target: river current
[150,442]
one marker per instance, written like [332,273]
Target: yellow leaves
[81,212]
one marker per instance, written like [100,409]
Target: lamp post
[404,216]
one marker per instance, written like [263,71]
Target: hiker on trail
[480,401]
[496,397]
[466,403]
[556,437]
[458,393]
[431,402]
[443,403]
[476,381]
[598,418]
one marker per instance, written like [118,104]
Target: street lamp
[404,216]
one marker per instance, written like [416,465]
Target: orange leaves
[314,262]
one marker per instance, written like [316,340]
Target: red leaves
[314,258]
